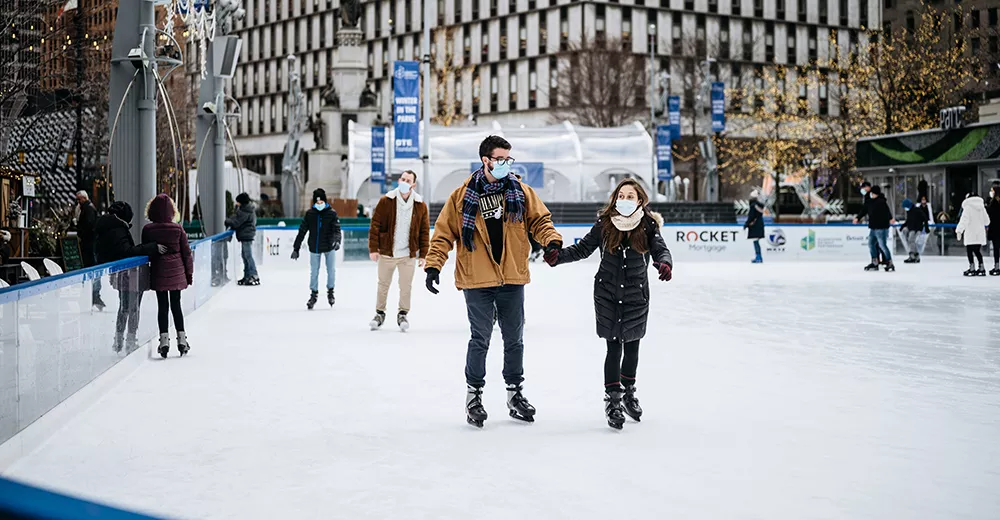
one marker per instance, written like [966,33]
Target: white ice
[778,391]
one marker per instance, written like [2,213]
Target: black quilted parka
[621,286]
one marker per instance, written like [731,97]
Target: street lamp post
[652,99]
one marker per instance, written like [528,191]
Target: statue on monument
[350,13]
[318,128]
[368,97]
[330,97]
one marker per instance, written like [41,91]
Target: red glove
[665,272]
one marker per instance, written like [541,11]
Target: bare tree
[447,73]
[602,84]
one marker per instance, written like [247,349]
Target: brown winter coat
[382,232]
[477,269]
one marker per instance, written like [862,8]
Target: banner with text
[406,111]
[378,154]
[718,106]
[664,153]
[674,117]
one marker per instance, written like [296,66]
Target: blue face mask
[864,192]
[626,207]
[404,187]
[320,206]
[501,171]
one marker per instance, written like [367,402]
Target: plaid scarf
[478,186]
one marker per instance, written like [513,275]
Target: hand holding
[665,271]
[433,278]
[162,249]
[373,256]
[295,254]
[552,253]
[856,221]
[421,262]
[336,246]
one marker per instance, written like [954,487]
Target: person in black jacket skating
[323,226]
[879,221]
[917,224]
[866,189]
[113,243]
[244,224]
[628,235]
[755,224]
[993,231]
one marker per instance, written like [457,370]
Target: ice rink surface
[778,391]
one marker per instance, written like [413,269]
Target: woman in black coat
[755,224]
[628,235]
[993,231]
[114,242]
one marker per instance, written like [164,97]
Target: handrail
[214,238]
[52,283]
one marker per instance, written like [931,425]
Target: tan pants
[386,267]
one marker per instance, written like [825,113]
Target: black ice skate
[99,303]
[631,403]
[164,347]
[971,271]
[377,321]
[890,268]
[475,414]
[912,259]
[182,343]
[981,271]
[872,266]
[119,343]
[312,300]
[996,270]
[404,324]
[518,405]
[330,298]
[251,280]
[613,408]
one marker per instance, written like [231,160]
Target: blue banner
[378,154]
[531,173]
[406,111]
[664,153]
[674,117]
[718,106]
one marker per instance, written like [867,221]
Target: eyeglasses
[502,160]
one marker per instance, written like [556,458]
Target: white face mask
[626,207]
[320,206]
[404,187]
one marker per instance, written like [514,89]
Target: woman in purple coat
[171,272]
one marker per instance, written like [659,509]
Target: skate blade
[616,426]
[636,418]
[522,418]
[474,422]
[374,326]
[404,327]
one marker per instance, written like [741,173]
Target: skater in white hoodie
[971,231]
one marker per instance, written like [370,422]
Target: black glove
[552,253]
[336,246]
[295,254]
[665,271]
[433,278]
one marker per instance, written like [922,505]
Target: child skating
[323,227]
[628,235]
[971,231]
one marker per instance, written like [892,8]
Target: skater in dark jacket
[169,273]
[114,242]
[917,224]
[323,227]
[879,221]
[628,235]
[993,234]
[244,223]
[755,224]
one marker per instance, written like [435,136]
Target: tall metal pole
[147,104]
[652,101]
[79,97]
[425,149]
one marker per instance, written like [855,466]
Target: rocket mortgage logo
[708,241]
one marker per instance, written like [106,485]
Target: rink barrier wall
[22,501]
[687,242]
[56,354]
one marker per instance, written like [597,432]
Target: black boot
[889,267]
[872,266]
[631,403]
[518,405]
[996,269]
[981,271]
[971,271]
[475,413]
[613,407]
[313,297]
[330,298]
[911,259]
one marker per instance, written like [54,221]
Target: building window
[485,32]
[803,10]
[467,50]
[600,23]
[532,85]
[627,28]
[513,89]
[758,8]
[769,42]
[758,87]
[522,35]
[699,36]
[736,84]
[974,19]
[781,9]
[734,7]
[975,46]
[863,10]
[503,39]
[713,6]
[543,32]
[824,102]
[724,38]
[553,81]
[475,10]
[408,15]
[378,18]
[563,29]
[957,20]
[493,9]
[792,51]
[843,13]
[477,91]
[823,11]
[676,36]
[440,13]
[992,15]
[494,90]
[689,5]
[803,81]
[458,11]
[747,41]
[813,51]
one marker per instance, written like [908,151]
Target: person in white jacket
[971,231]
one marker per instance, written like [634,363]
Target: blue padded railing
[21,501]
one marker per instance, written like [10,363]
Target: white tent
[577,163]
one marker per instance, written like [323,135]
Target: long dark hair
[612,237]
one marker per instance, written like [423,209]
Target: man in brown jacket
[490,217]
[398,239]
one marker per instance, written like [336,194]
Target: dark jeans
[616,370]
[128,312]
[249,266]
[508,300]
[163,310]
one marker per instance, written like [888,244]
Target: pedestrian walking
[755,224]
[627,233]
[171,272]
[993,233]
[398,240]
[323,227]
[244,224]
[916,227]
[879,221]
[490,217]
[971,231]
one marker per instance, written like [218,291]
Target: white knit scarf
[628,223]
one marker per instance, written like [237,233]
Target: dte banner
[718,106]
[378,154]
[406,113]
[674,117]
[664,153]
